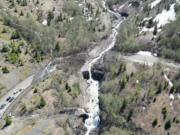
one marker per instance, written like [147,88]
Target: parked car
[15,92]
[11,99]
[20,90]
[8,99]
[2,106]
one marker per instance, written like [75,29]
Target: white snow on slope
[145,29]
[165,16]
[171,96]
[44,22]
[169,81]
[154,3]
[145,53]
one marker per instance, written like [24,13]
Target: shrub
[167,125]
[155,122]
[5,49]
[172,89]
[177,121]
[4,30]
[123,83]
[110,105]
[126,38]
[130,114]
[42,103]
[59,18]
[76,91]
[123,107]
[35,90]
[5,70]
[24,3]
[8,121]
[164,112]
[50,17]
[15,10]
[13,57]
[15,35]
[78,35]
[159,89]
[155,30]
[43,38]
[57,47]
[21,14]
[72,8]
[122,68]
[68,88]
[37,2]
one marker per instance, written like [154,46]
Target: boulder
[85,75]
[97,74]
[134,4]
[124,14]
[84,117]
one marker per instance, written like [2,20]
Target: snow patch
[145,29]
[71,18]
[80,4]
[145,53]
[137,81]
[44,22]
[154,3]
[52,69]
[167,79]
[147,18]
[165,16]
[171,97]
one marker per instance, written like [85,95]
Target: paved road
[22,85]
[33,79]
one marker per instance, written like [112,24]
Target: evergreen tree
[57,47]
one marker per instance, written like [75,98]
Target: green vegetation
[21,14]
[176,81]
[111,104]
[23,2]
[76,90]
[50,17]
[167,125]
[164,112]
[42,103]
[5,70]
[155,122]
[35,90]
[15,35]
[78,34]
[130,114]
[117,131]
[8,121]
[41,38]
[57,49]
[126,38]
[122,68]
[170,39]
[72,8]
[4,30]
[13,53]
[5,49]
[68,88]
